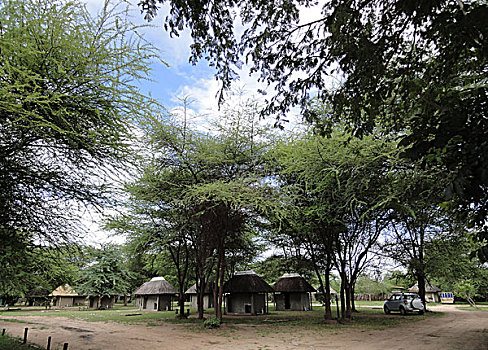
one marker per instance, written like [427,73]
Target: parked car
[404,302]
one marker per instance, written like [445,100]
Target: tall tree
[203,190]
[340,191]
[68,92]
[416,218]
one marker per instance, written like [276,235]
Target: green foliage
[68,92]
[212,322]
[105,275]
[36,271]
[367,285]
[466,289]
[399,279]
[449,260]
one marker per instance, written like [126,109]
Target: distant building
[293,293]
[246,293]
[106,302]
[157,295]
[431,292]
[208,299]
[65,296]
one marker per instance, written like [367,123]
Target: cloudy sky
[179,79]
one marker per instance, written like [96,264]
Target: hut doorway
[287,301]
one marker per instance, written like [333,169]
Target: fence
[372,297]
[24,340]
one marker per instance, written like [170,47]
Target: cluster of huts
[244,293]
[66,296]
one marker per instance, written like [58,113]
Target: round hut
[246,293]
[293,293]
[208,299]
[156,295]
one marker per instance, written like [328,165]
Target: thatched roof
[429,288]
[64,291]
[158,285]
[247,282]
[293,283]
[193,289]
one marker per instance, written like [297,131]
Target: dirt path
[456,330]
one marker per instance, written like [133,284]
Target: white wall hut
[246,293]
[293,293]
[208,300]
[156,295]
[65,296]
[431,292]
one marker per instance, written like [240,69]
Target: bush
[212,322]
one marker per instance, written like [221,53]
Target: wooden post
[65,346]
[25,335]
[48,346]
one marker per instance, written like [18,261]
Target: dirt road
[456,330]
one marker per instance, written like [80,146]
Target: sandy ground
[456,330]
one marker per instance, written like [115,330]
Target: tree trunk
[216,287]
[181,302]
[200,295]
[343,300]
[328,308]
[347,291]
[353,304]
[221,290]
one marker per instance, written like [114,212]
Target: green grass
[9,343]
[470,308]
[275,322]
[112,315]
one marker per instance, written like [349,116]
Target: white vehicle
[404,302]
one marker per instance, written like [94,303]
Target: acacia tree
[105,276]
[340,192]
[416,219]
[203,189]
[67,86]
[415,67]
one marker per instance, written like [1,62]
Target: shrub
[212,322]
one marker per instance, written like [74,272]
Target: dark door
[287,301]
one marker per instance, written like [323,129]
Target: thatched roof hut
[293,283]
[63,291]
[65,295]
[157,285]
[247,282]
[157,294]
[431,292]
[246,293]
[293,293]
[208,299]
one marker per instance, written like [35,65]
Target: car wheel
[421,312]
[387,311]
[403,311]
